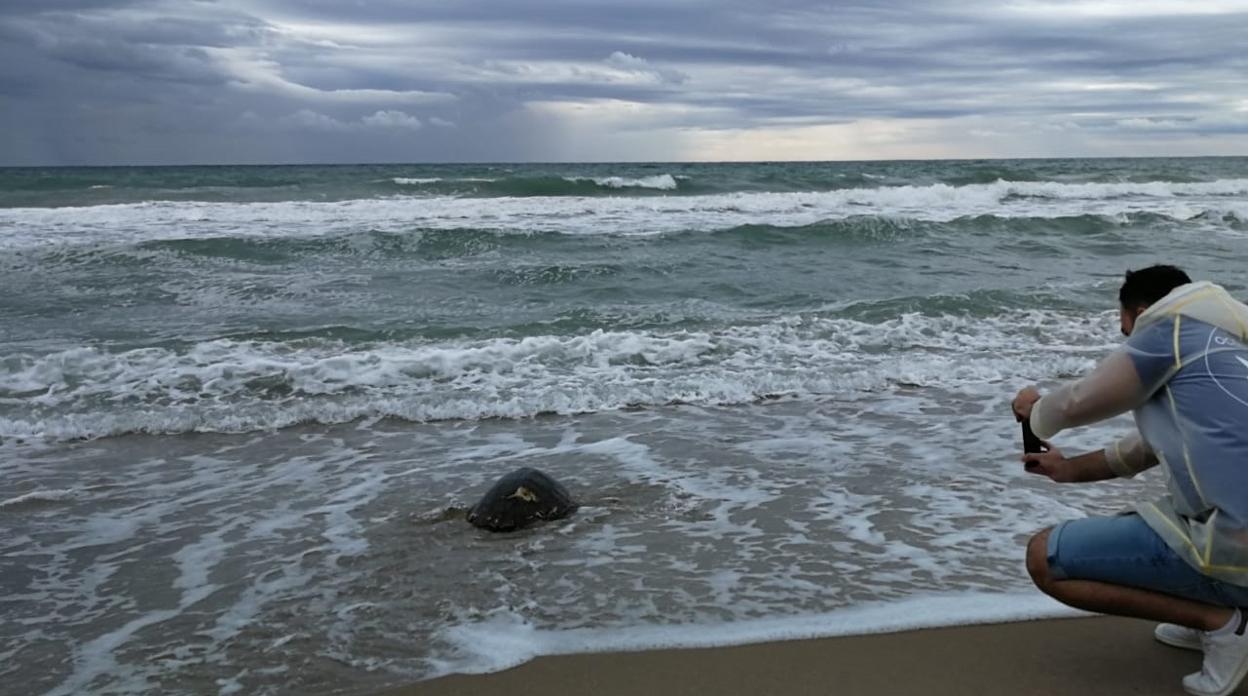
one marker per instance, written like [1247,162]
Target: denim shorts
[1124,550]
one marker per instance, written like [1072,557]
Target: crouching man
[1181,560]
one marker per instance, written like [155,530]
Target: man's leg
[1120,600]
[1103,564]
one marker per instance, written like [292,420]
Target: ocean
[243,409]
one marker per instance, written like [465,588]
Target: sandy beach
[1103,656]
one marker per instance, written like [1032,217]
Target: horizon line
[626,162]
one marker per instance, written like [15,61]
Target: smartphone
[1031,443]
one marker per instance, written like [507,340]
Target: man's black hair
[1147,285]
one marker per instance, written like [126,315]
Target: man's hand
[1024,401]
[1052,464]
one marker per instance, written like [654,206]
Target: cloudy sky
[249,81]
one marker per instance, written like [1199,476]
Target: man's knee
[1038,559]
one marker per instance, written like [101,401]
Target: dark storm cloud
[315,80]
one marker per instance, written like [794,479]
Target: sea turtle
[520,498]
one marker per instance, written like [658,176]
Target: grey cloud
[180,64]
[28,7]
[387,119]
[136,52]
[184,74]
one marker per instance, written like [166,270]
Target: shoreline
[1078,655]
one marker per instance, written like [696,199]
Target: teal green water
[105,185]
[195,292]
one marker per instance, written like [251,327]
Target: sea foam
[135,222]
[238,386]
[505,640]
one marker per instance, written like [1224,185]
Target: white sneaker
[1178,636]
[1226,663]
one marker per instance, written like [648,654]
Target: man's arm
[1121,382]
[1113,388]
[1124,458]
[1085,468]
